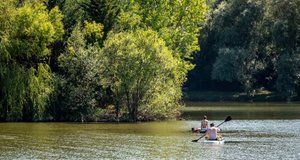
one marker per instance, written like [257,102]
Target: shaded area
[195,111]
[233,96]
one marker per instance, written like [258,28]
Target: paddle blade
[228,119]
[195,140]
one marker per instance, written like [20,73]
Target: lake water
[255,111]
[245,139]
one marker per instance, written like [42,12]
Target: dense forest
[91,60]
[250,46]
[128,60]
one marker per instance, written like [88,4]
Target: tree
[139,69]
[93,32]
[104,12]
[253,43]
[73,14]
[236,64]
[230,26]
[228,50]
[177,22]
[237,58]
[29,31]
[284,20]
[288,81]
[78,93]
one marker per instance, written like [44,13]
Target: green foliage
[26,79]
[13,92]
[53,3]
[39,87]
[25,92]
[73,14]
[102,11]
[176,21]
[261,41]
[141,71]
[236,64]
[288,81]
[33,29]
[228,64]
[77,88]
[129,20]
[284,47]
[6,7]
[93,32]
[232,25]
[232,22]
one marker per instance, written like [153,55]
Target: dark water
[254,111]
[245,139]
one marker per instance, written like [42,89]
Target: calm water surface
[245,139]
[254,111]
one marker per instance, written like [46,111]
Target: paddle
[226,120]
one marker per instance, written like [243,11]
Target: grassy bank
[216,96]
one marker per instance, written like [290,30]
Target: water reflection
[195,110]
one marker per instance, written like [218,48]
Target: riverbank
[218,96]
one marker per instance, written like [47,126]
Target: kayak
[199,130]
[203,130]
[222,141]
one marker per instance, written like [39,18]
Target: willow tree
[24,73]
[139,69]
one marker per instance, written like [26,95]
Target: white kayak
[222,141]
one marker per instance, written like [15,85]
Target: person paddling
[212,133]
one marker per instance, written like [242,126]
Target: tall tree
[233,22]
[78,92]
[25,75]
[176,21]
[141,71]
[254,43]
[105,12]
[285,44]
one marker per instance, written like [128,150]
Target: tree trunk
[117,110]
[132,106]
[133,113]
